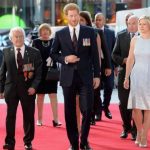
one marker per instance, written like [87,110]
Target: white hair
[14,30]
[99,14]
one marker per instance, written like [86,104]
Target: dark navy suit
[77,77]
[108,81]
[107,44]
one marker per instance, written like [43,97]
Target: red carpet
[103,136]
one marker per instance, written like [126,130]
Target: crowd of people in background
[91,55]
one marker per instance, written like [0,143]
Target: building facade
[28,13]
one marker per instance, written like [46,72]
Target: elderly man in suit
[20,75]
[107,80]
[119,55]
[75,48]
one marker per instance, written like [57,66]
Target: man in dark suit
[119,55]
[105,71]
[80,72]
[20,75]
[107,80]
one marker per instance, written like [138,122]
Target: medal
[28,71]
[30,75]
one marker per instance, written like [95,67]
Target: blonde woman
[43,43]
[138,64]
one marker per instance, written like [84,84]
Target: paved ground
[114,98]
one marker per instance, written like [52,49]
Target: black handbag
[53,73]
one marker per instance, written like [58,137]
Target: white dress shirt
[77,29]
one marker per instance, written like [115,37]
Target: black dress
[45,87]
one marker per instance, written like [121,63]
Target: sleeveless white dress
[139,96]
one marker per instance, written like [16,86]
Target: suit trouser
[85,102]
[107,83]
[97,105]
[28,108]
[123,94]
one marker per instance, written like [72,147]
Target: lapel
[127,37]
[26,58]
[106,34]
[12,58]
[127,43]
[67,36]
[80,38]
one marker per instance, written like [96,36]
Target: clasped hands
[31,91]
[72,59]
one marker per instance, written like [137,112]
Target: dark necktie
[132,35]
[74,40]
[19,61]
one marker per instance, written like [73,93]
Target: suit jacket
[110,41]
[88,66]
[1,56]
[121,48]
[9,72]
[105,50]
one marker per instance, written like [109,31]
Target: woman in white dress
[138,64]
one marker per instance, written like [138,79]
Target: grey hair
[99,14]
[14,30]
[133,16]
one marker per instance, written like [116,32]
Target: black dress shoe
[98,117]
[85,146]
[8,147]
[124,134]
[73,148]
[56,124]
[28,146]
[133,135]
[92,122]
[107,113]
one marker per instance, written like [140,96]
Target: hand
[124,61]
[31,91]
[126,83]
[107,72]
[96,82]
[72,59]
[1,95]
[116,71]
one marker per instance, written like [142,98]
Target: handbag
[53,73]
